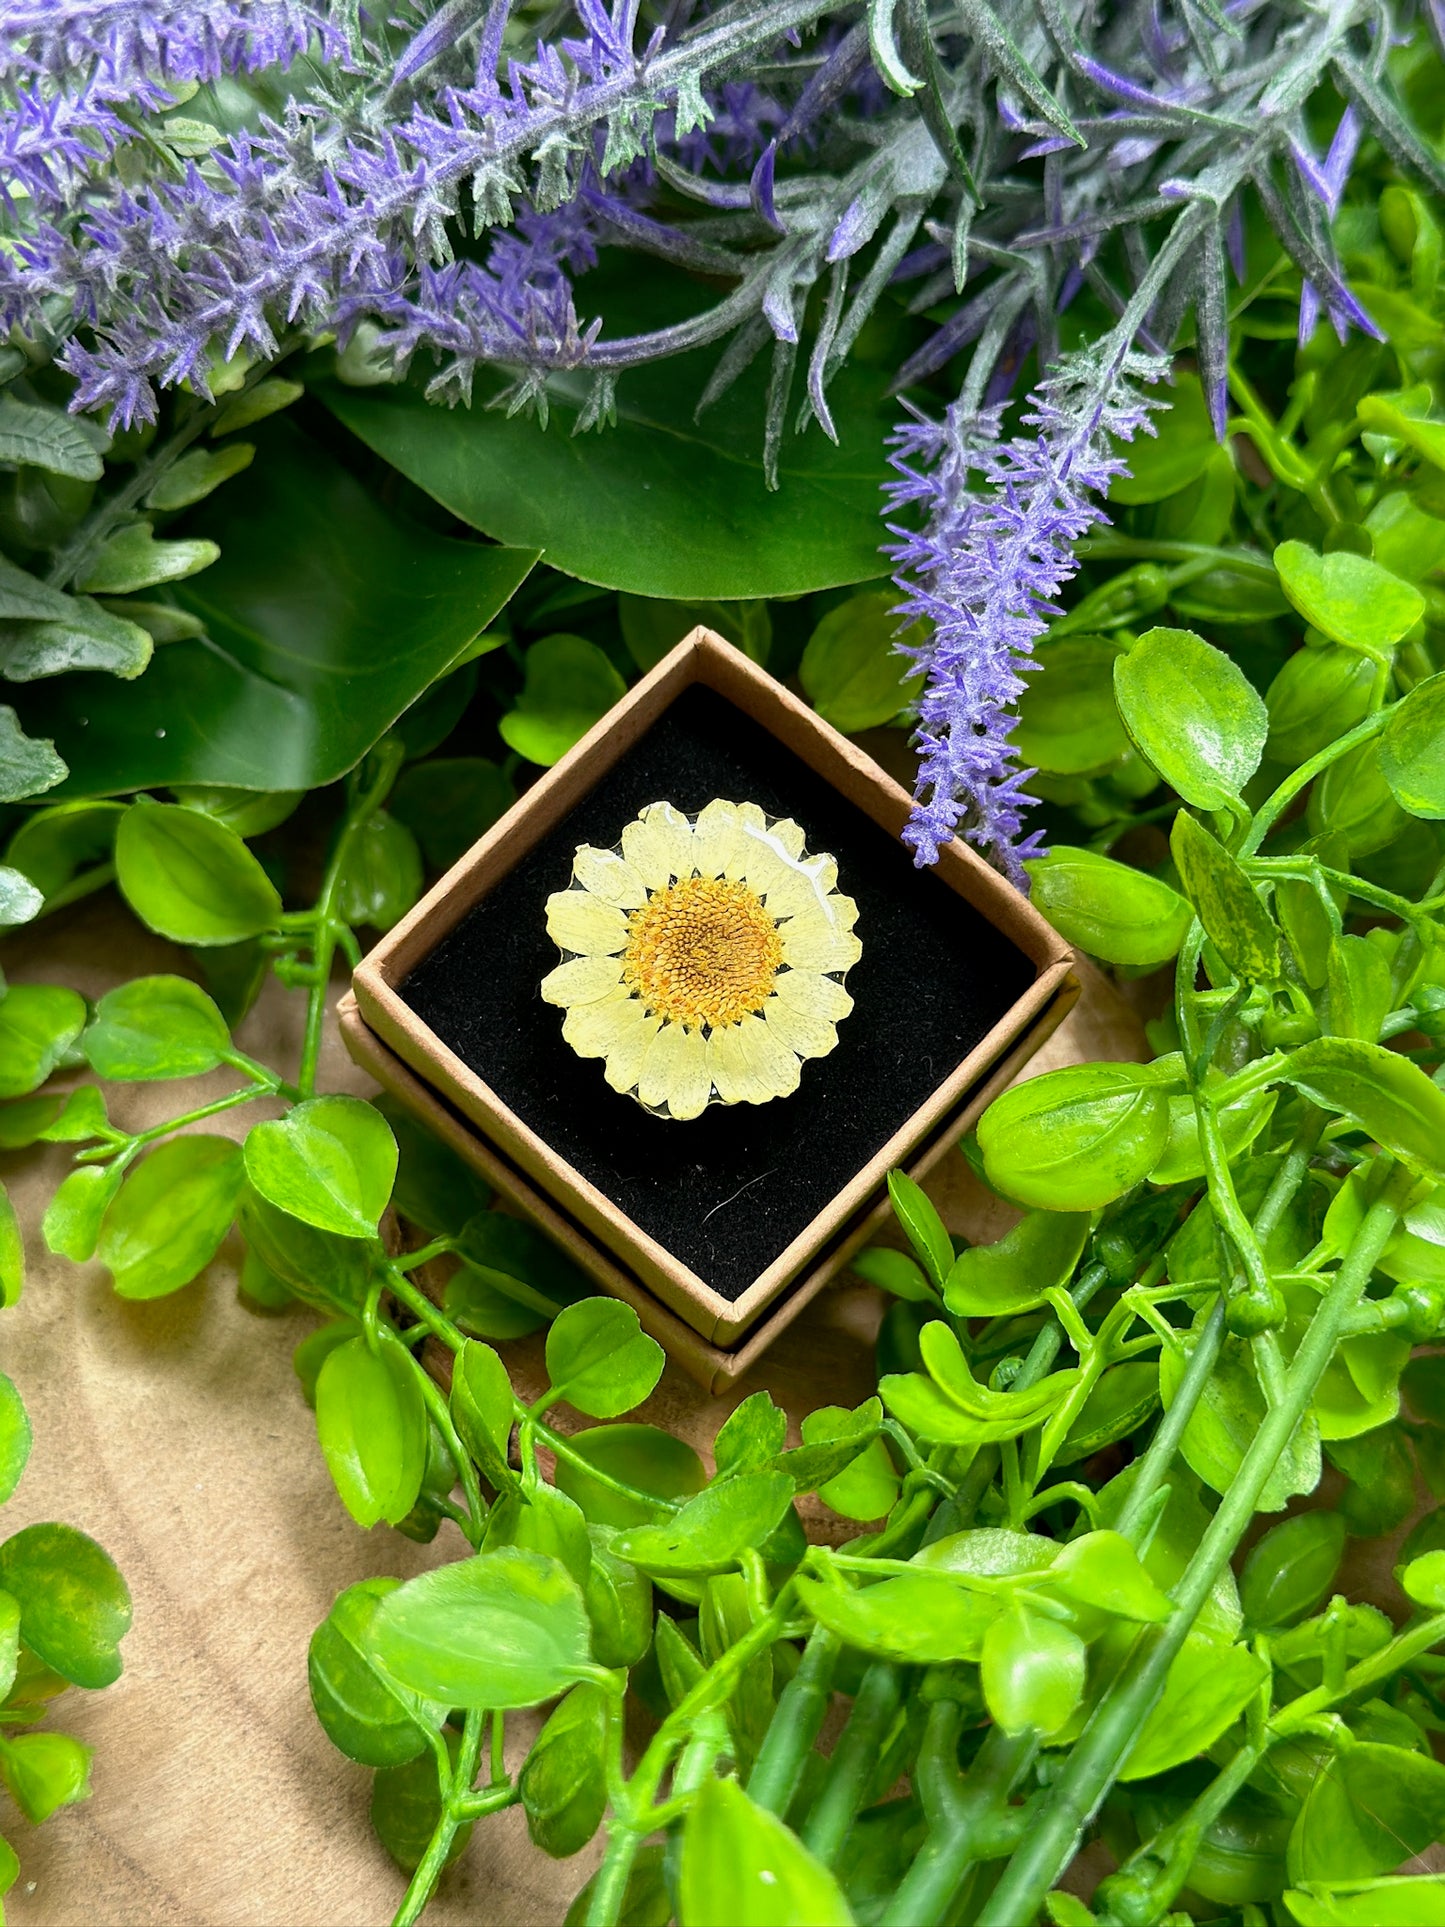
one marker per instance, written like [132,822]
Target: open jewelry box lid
[469,1066]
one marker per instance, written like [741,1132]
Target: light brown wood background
[175,1433]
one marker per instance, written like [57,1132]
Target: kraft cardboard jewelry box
[718,1229]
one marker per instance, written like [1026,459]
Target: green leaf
[1370,1808]
[133,559]
[189,877]
[364,1713]
[1240,1123]
[1385,1094]
[1318,695]
[170,1216]
[563,1782]
[712,1530]
[406,1808]
[38,1025]
[1234,918]
[1230,1411]
[751,1436]
[503,1629]
[20,901]
[1068,720]
[866,1488]
[1032,1671]
[642,1456]
[381,879]
[482,1410]
[921,1619]
[1423,1581]
[741,1867]
[1119,1404]
[1207,1689]
[570,684]
[83,635]
[599,1358]
[74,1605]
[1192,714]
[1289,1572]
[1102,1570]
[851,670]
[371,1421]
[12,1253]
[434,1187]
[71,1225]
[1412,750]
[1409,1900]
[53,845]
[448,802]
[1348,597]
[1013,1274]
[266,398]
[330,1162]
[658,505]
[893,1271]
[156,1027]
[28,765]
[1361,994]
[47,438]
[919,1218]
[44,1772]
[198,471]
[325,619]
[835,1437]
[14,1438]
[1353,801]
[1109,909]
[1076,1139]
[247,812]
[1175,455]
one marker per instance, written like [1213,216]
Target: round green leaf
[52,845]
[1032,1671]
[14,1437]
[382,876]
[1353,801]
[1423,1580]
[1412,750]
[434,1187]
[72,1221]
[1318,696]
[330,1162]
[569,685]
[1240,1123]
[1014,1272]
[1075,1139]
[44,1772]
[1385,1094]
[38,1025]
[1192,714]
[191,878]
[371,1421]
[921,1619]
[1207,1689]
[368,1716]
[169,1217]
[712,1530]
[74,1605]
[563,1782]
[1348,597]
[1369,1808]
[1176,454]
[851,671]
[599,1358]
[1068,719]
[156,1027]
[1102,1570]
[642,1456]
[741,1867]
[503,1629]
[406,1808]
[1107,908]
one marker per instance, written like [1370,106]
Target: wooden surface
[174,1432]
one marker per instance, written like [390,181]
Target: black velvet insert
[726,1192]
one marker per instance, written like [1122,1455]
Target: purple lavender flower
[984,572]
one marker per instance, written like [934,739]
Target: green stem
[802,1706]
[140,1139]
[1096,1760]
[456,1795]
[958,1815]
[850,1769]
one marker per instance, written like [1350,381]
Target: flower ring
[704,959]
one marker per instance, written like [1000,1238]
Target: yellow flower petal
[715,836]
[813,944]
[582,981]
[798,1030]
[595,1030]
[729,1069]
[773,1065]
[801,887]
[788,836]
[604,873]
[691,1084]
[580,923]
[814,996]
[658,845]
[624,1060]
[673,1063]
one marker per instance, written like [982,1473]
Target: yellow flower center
[702,951]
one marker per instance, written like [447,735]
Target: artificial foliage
[1145,307]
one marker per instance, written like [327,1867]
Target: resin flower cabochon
[704,957]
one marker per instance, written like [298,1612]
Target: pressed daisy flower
[704,959]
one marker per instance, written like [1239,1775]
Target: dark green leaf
[503,1629]
[1412,750]
[851,670]
[169,1218]
[448,802]
[74,1606]
[1175,455]
[330,1162]
[599,1358]
[156,1027]
[1107,908]
[406,1808]
[191,878]
[371,1421]
[325,618]
[381,878]
[53,845]
[563,1781]
[1193,715]
[1068,719]
[434,1187]
[1229,907]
